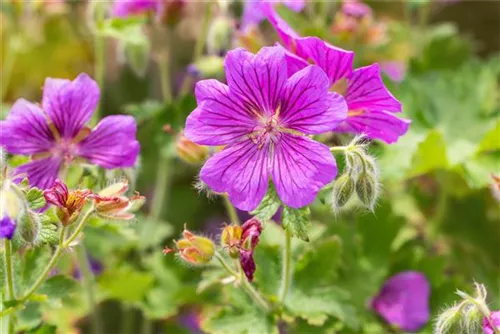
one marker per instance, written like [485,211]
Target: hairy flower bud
[342,191]
[111,204]
[193,249]
[68,203]
[219,36]
[366,189]
[190,152]
[449,321]
[231,239]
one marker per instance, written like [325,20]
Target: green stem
[88,284]
[339,148]
[63,244]
[9,277]
[164,66]
[100,56]
[231,211]
[254,294]
[128,319]
[160,192]
[286,276]
[198,48]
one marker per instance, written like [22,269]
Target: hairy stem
[286,274]
[231,211]
[9,278]
[245,284]
[88,283]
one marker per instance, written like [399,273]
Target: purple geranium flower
[494,320]
[253,12]
[125,8]
[54,135]
[404,301]
[263,117]
[356,9]
[7,227]
[371,106]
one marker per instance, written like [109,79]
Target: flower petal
[41,173]
[283,29]
[247,263]
[294,63]
[112,143]
[366,90]
[220,118]
[336,62]
[257,79]
[307,105]
[26,130]
[404,301]
[376,124]
[241,170]
[70,104]
[301,167]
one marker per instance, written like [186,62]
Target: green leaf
[44,329]
[126,283]
[128,30]
[491,140]
[477,171]
[29,317]
[269,205]
[35,198]
[58,286]
[237,321]
[297,221]
[48,232]
[430,155]
[319,263]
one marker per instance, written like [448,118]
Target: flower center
[66,150]
[267,131]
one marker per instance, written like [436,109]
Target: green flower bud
[137,57]
[219,36]
[366,189]
[342,190]
[449,321]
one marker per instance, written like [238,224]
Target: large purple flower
[404,301]
[54,134]
[371,106]
[263,117]
[494,321]
[253,10]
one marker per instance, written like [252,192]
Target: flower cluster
[55,134]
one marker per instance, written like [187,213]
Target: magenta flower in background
[253,12]
[404,301]
[495,321]
[263,118]
[125,8]
[7,227]
[55,135]
[356,8]
[371,106]
[395,70]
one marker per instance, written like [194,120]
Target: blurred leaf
[268,206]
[58,286]
[478,170]
[29,317]
[126,284]
[491,141]
[128,30]
[145,111]
[152,233]
[232,321]
[268,273]
[44,329]
[297,221]
[430,155]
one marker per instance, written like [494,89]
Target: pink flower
[494,320]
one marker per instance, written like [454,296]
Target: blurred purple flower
[253,10]
[356,8]
[191,321]
[395,70]
[125,8]
[55,134]
[371,107]
[7,227]
[404,301]
[95,267]
[495,321]
[263,117]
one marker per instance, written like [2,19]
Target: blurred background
[438,212]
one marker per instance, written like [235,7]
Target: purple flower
[356,9]
[94,265]
[125,8]
[404,301]
[54,134]
[263,118]
[494,320]
[253,12]
[395,70]
[250,234]
[371,106]
[7,227]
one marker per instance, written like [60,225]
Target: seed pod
[366,189]
[342,190]
[193,249]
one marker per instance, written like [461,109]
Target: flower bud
[219,36]
[366,189]
[68,203]
[207,67]
[251,231]
[449,321]
[190,152]
[193,249]
[342,190]
[231,239]
[137,56]
[111,204]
